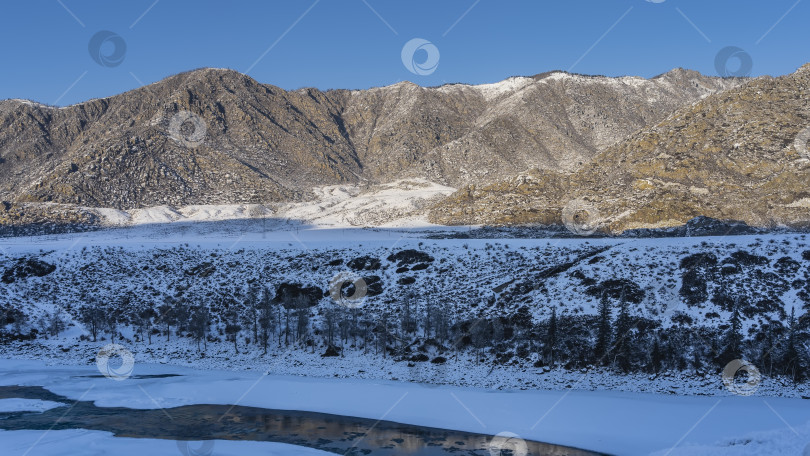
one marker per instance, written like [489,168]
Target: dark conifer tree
[267,320]
[791,362]
[602,345]
[551,337]
[734,337]
[656,357]
[623,345]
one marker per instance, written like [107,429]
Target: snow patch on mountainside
[401,203]
[804,202]
[507,86]
[31,103]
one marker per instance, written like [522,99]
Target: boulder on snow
[331,351]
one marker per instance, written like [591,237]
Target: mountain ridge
[264,144]
[537,76]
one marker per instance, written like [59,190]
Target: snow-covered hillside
[404,299]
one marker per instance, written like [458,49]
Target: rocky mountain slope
[218,137]
[741,154]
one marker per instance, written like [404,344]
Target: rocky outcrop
[738,155]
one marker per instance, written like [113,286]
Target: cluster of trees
[430,327]
[16,325]
[413,328]
[13,323]
[259,316]
[637,344]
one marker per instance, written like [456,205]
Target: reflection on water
[333,433]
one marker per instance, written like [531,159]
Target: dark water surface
[334,433]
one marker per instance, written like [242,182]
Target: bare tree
[54,323]
[301,305]
[167,315]
[92,317]
[232,327]
[330,317]
[144,321]
[480,336]
[407,322]
[199,324]
[429,317]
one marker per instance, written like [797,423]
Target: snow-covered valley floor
[611,422]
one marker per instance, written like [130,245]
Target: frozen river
[201,422]
[74,410]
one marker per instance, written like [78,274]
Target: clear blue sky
[344,44]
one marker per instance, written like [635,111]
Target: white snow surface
[397,204]
[507,86]
[79,442]
[612,422]
[26,405]
[790,441]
